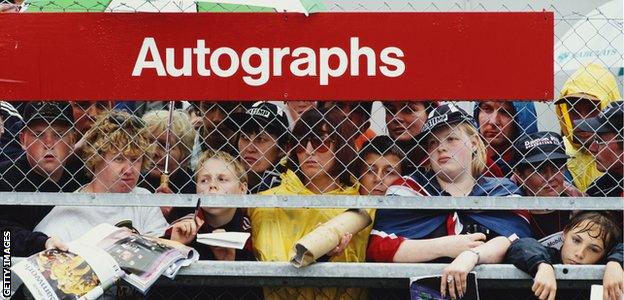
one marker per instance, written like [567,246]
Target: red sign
[274,56]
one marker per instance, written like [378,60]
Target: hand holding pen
[185,230]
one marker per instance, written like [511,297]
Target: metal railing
[380,202]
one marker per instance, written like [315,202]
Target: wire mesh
[569,147]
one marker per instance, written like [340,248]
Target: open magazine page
[83,272]
[142,258]
[428,288]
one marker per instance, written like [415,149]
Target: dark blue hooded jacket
[525,119]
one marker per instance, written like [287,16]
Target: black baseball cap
[49,112]
[610,119]
[444,115]
[540,146]
[264,116]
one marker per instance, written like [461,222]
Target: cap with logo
[50,112]
[262,116]
[610,119]
[537,147]
[444,115]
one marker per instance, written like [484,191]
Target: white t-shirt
[70,222]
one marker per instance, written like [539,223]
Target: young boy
[380,166]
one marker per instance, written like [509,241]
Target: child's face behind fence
[450,151]
[378,173]
[47,146]
[583,245]
[219,178]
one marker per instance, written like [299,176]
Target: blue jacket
[418,224]
[525,120]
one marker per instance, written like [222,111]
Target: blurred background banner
[285,56]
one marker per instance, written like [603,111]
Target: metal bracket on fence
[190,200]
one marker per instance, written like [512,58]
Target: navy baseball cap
[264,116]
[540,146]
[49,112]
[610,119]
[444,115]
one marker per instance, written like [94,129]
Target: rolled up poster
[327,236]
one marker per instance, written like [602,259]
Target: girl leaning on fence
[590,238]
[455,167]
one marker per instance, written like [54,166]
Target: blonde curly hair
[114,132]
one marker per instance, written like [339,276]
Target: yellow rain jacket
[275,231]
[596,81]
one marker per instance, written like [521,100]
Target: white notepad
[235,240]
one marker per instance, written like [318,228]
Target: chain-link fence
[472,154]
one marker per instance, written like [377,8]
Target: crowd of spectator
[328,148]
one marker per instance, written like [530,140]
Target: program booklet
[97,260]
[428,288]
[554,240]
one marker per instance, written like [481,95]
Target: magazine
[98,259]
[428,288]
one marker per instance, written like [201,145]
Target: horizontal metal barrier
[377,275]
[190,200]
[381,275]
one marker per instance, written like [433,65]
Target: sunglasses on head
[320,146]
[123,121]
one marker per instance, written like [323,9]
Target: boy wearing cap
[48,140]
[540,163]
[261,143]
[607,147]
